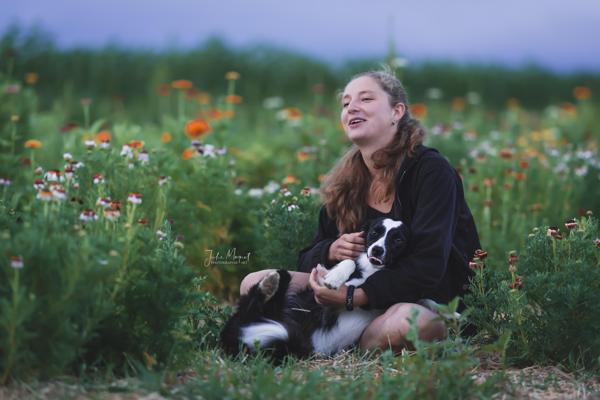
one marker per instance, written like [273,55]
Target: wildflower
[507,154]
[126,151]
[39,184]
[232,76]
[272,103]
[76,165]
[67,157]
[188,153]
[554,232]
[103,202]
[571,224]
[12,89]
[481,254]
[105,144]
[111,214]
[16,262]
[207,150]
[581,171]
[512,257]
[517,283]
[88,215]
[203,98]
[255,192]
[271,187]
[103,136]
[290,180]
[59,193]
[161,235]
[33,144]
[305,191]
[142,221]
[523,164]
[197,128]
[419,110]
[302,156]
[5,182]
[136,144]
[166,137]
[54,175]
[163,89]
[15,118]
[582,93]
[520,176]
[69,126]
[163,180]
[434,93]
[290,114]
[134,198]
[292,207]
[31,78]
[143,157]
[182,84]
[596,242]
[98,179]
[458,104]
[473,265]
[115,205]
[487,182]
[233,99]
[89,144]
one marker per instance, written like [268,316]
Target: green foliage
[548,300]
[289,224]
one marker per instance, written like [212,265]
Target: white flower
[90,144]
[163,180]
[38,184]
[271,187]
[54,175]
[44,195]
[581,171]
[255,192]
[104,202]
[111,214]
[272,103]
[238,192]
[135,198]
[67,157]
[88,215]
[161,235]
[434,93]
[59,194]
[105,144]
[143,157]
[473,98]
[98,179]
[126,151]
[16,262]
[292,207]
[5,182]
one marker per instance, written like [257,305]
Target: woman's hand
[347,247]
[324,295]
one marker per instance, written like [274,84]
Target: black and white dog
[271,319]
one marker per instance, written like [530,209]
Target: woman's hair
[345,190]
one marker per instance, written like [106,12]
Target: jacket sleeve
[424,265]
[317,251]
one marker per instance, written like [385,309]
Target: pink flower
[98,179]
[39,184]
[16,262]
[554,232]
[44,195]
[135,198]
[88,215]
[571,224]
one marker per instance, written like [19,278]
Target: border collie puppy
[269,318]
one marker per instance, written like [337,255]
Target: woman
[388,172]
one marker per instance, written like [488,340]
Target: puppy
[270,319]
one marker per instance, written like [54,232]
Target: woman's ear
[398,111]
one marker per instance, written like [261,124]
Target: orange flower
[228,114]
[293,113]
[166,137]
[524,164]
[33,144]
[419,110]
[103,136]
[232,76]
[203,98]
[196,128]
[163,89]
[302,156]
[512,103]
[582,93]
[31,78]
[458,104]
[233,99]
[487,182]
[520,176]
[507,154]
[215,114]
[182,84]
[136,144]
[569,108]
[188,153]
[289,180]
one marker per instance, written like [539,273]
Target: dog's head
[386,240]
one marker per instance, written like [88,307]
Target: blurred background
[120,51]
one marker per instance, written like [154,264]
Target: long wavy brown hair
[345,190]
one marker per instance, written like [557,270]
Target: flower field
[122,240]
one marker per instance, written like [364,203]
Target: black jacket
[442,241]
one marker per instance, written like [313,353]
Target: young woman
[388,172]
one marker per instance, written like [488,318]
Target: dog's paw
[335,278]
[269,284]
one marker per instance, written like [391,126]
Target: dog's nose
[377,251]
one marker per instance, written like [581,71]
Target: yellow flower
[33,144]
[232,76]
[31,78]
[166,137]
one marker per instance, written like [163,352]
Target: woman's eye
[345,105]
[367,99]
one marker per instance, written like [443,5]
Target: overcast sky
[560,35]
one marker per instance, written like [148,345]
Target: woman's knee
[391,329]
[252,279]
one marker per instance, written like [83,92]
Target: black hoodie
[442,241]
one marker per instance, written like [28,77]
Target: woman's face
[367,115]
